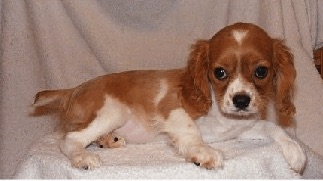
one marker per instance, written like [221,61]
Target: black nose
[241,101]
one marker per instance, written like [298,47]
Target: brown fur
[136,89]
[284,83]
[195,93]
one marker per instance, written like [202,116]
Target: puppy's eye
[220,73]
[261,72]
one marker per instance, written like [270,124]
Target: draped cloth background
[59,44]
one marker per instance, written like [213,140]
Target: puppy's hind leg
[74,143]
[108,118]
[73,146]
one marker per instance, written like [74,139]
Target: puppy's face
[241,70]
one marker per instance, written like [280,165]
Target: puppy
[241,67]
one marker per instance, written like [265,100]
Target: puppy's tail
[50,101]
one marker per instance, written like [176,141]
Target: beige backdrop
[58,44]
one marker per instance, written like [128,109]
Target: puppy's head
[246,68]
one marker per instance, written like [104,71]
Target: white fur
[162,91]
[239,35]
[235,87]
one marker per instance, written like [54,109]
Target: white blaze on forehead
[239,35]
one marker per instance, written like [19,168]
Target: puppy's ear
[195,94]
[285,75]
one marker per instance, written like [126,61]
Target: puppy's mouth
[242,114]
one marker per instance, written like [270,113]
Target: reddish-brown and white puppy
[241,67]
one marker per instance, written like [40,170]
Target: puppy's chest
[215,127]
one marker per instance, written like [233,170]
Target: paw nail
[101,146]
[197,164]
[85,167]
[115,139]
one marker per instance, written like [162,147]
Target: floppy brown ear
[285,75]
[195,93]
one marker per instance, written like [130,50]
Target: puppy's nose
[241,101]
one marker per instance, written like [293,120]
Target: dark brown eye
[261,72]
[220,73]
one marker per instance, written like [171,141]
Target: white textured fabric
[255,156]
[250,159]
[59,44]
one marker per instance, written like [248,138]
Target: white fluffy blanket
[252,159]
[244,159]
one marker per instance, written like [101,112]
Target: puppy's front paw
[206,157]
[86,161]
[294,155]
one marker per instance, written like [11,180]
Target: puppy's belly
[134,132]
